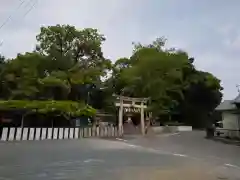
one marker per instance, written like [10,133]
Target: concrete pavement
[192,144]
[181,156]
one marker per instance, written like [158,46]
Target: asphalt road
[178,156]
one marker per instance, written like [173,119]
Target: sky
[208,30]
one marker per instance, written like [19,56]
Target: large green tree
[201,96]
[66,62]
[65,59]
[75,52]
[176,88]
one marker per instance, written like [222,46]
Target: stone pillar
[142,120]
[120,117]
[150,118]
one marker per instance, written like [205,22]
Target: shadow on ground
[226,141]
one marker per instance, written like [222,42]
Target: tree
[68,46]
[66,109]
[19,78]
[157,75]
[201,97]
[66,61]
[157,44]
[176,88]
[76,52]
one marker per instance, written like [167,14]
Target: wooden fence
[18,134]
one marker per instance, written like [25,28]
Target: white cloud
[230,34]
[226,29]
[113,18]
[233,43]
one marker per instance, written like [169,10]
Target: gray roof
[237,99]
[227,105]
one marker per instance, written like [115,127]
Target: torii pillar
[142,120]
[120,117]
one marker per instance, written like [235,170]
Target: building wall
[230,120]
[231,123]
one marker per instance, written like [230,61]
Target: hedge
[69,108]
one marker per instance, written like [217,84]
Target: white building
[230,110]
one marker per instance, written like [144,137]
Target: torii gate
[131,105]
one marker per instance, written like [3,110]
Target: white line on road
[156,150]
[121,139]
[131,145]
[93,160]
[181,155]
[231,165]
[167,135]
[174,154]
[152,150]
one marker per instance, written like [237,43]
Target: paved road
[192,144]
[184,156]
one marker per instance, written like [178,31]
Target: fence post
[44,133]
[55,133]
[4,134]
[60,133]
[18,134]
[93,129]
[11,134]
[85,132]
[90,131]
[66,133]
[31,134]
[71,133]
[25,134]
[49,133]
[37,134]
[76,133]
[97,131]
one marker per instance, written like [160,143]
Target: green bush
[67,108]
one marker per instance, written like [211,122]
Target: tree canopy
[176,88]
[65,74]
[65,63]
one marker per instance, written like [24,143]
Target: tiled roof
[237,99]
[226,105]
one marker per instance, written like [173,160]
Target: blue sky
[207,30]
